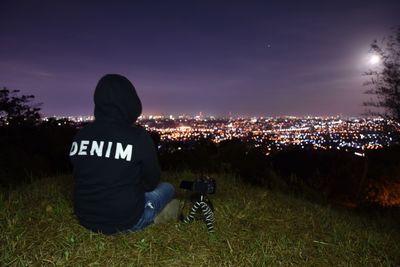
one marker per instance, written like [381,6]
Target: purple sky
[247,57]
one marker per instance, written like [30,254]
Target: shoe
[171,212]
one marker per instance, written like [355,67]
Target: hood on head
[115,99]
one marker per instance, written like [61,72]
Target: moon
[374,59]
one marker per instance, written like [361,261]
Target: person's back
[114,162]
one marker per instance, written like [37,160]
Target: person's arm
[150,168]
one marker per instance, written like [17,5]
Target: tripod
[204,204]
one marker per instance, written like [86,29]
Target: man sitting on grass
[115,164]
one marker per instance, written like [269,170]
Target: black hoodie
[114,162]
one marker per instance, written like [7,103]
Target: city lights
[275,133]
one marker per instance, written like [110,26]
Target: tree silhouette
[17,110]
[384,79]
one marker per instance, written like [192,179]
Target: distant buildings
[276,133]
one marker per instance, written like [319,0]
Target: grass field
[254,227]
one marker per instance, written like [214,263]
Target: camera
[202,185]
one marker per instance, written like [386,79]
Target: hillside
[254,227]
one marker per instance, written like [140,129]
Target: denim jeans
[154,202]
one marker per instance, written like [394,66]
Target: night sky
[249,58]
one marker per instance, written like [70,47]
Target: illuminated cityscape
[275,133]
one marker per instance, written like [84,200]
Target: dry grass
[254,227]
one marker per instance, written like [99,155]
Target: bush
[34,150]
[326,174]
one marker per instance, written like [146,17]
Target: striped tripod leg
[208,216]
[192,212]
